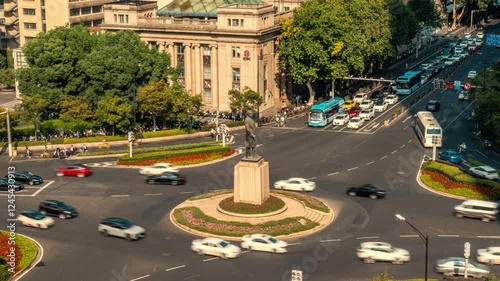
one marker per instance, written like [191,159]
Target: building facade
[220,45]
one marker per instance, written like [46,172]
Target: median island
[15,258]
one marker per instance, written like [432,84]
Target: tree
[115,112]
[487,102]
[3,60]
[32,108]
[75,109]
[13,118]
[242,101]
[7,77]
[183,106]
[425,12]
[154,99]
[403,23]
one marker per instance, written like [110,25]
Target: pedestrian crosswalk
[10,104]
[101,164]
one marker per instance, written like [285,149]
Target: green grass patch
[151,149]
[163,133]
[464,192]
[272,204]
[23,144]
[309,201]
[194,218]
[27,247]
[211,194]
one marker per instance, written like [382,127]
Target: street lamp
[424,238]
[9,136]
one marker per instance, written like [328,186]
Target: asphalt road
[387,156]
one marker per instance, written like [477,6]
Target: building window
[241,22]
[87,23]
[97,22]
[29,12]
[207,96]
[19,59]
[180,58]
[206,56]
[122,18]
[29,25]
[236,78]
[96,9]
[236,22]
[229,22]
[74,12]
[126,18]
[44,27]
[287,9]
[207,73]
[264,93]
[236,52]
[86,11]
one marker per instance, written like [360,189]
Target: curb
[444,194]
[38,258]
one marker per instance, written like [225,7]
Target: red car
[77,170]
[354,112]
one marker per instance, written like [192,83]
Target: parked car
[380,106]
[433,105]
[341,119]
[354,112]
[77,170]
[348,104]
[367,190]
[484,210]
[359,97]
[355,123]
[456,266]
[463,95]
[367,114]
[366,104]
[35,219]
[371,252]
[484,172]
[119,227]
[295,184]
[166,178]
[391,99]
[26,177]
[158,169]
[472,74]
[58,209]
[490,255]
[215,247]
[15,185]
[264,242]
[451,156]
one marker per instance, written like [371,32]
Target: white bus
[428,129]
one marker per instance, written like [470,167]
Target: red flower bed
[450,184]
[195,158]
[5,250]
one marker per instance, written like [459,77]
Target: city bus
[428,129]
[323,113]
[408,82]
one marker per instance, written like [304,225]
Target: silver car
[456,266]
[485,172]
[121,228]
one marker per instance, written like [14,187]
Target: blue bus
[323,113]
[408,82]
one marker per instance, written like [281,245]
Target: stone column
[198,71]
[187,67]
[214,72]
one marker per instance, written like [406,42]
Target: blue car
[451,156]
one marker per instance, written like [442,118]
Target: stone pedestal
[251,181]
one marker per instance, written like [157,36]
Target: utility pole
[9,135]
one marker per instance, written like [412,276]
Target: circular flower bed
[272,204]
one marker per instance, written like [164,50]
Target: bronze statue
[251,139]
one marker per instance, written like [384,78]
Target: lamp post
[424,238]
[9,136]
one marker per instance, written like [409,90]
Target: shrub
[468,179]
[448,170]
[309,201]
[5,249]
[163,133]
[94,139]
[181,160]
[272,204]
[26,250]
[433,183]
[235,124]
[174,153]
[153,149]
[23,144]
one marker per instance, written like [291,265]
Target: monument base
[251,181]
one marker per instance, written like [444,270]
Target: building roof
[200,8]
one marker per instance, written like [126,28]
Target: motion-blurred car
[158,169]
[371,252]
[487,211]
[348,104]
[80,171]
[472,74]
[433,105]
[480,35]
[123,228]
[380,106]
[490,255]
[264,242]
[451,156]
[359,97]
[295,184]
[215,247]
[463,95]
[391,99]
[58,209]
[354,112]
[356,123]
[456,266]
[366,104]
[166,178]
[26,177]
[14,185]
[341,119]
[485,172]
[367,114]
[103,145]
[367,190]
[35,219]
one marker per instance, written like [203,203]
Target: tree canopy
[242,101]
[403,23]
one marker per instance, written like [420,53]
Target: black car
[377,96]
[166,178]
[366,190]
[57,208]
[433,105]
[26,177]
[4,185]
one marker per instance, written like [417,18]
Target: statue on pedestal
[251,138]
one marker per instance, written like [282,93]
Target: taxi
[348,104]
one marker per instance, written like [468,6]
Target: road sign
[448,85]
[457,85]
[467,86]
[493,40]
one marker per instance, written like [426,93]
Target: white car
[464,44]
[215,247]
[35,219]
[463,95]
[341,119]
[456,57]
[359,97]
[485,172]
[264,242]
[391,99]
[381,106]
[480,35]
[371,252]
[158,169]
[295,184]
[449,61]
[479,42]
[490,255]
[467,35]
[366,104]
[472,74]
[367,114]
[122,228]
[456,266]
[356,123]
[423,79]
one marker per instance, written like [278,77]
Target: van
[484,210]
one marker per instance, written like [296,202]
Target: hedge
[26,246]
[455,174]
[174,153]
[152,149]
[464,192]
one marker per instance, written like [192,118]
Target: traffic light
[130,136]
[466,250]
[296,275]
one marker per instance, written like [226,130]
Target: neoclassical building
[221,44]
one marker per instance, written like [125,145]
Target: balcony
[173,23]
[12,22]
[84,18]
[12,7]
[85,3]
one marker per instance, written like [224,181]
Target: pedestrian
[282,121]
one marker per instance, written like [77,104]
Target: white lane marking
[330,240]
[211,259]
[292,244]
[369,163]
[394,151]
[186,192]
[139,278]
[352,169]
[153,194]
[405,128]
[42,188]
[496,161]
[333,174]
[123,195]
[410,140]
[406,119]
[383,157]
[489,237]
[244,252]
[311,178]
[480,153]
[447,235]
[458,115]
[369,237]
[408,236]
[175,267]
[444,120]
[403,146]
